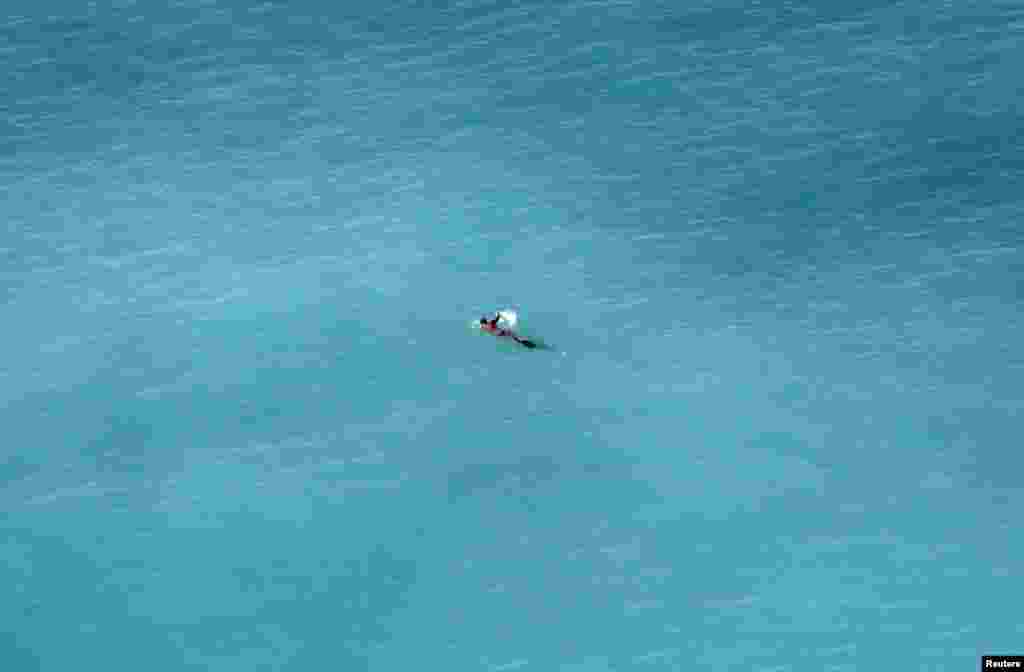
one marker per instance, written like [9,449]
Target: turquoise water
[776,250]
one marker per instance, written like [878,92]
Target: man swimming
[491,325]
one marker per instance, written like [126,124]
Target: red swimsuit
[497,331]
[493,328]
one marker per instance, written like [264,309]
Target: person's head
[483,320]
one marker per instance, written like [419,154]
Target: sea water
[775,250]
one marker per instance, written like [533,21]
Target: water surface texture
[775,249]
